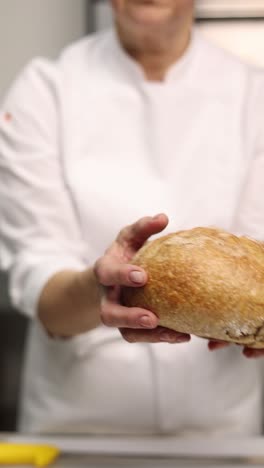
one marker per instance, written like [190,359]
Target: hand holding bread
[114,270]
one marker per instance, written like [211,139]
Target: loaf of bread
[206,282]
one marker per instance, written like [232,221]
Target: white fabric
[87,145]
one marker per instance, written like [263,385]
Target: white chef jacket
[87,145]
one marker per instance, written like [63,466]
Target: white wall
[243,38]
[36,27]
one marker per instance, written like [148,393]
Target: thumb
[136,234]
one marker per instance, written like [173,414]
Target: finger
[253,353]
[159,335]
[109,273]
[116,315]
[213,345]
[136,234]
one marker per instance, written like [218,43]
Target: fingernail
[136,277]
[146,322]
[182,339]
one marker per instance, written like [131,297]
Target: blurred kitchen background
[30,28]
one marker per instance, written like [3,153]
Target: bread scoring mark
[202,240]
[235,331]
[248,331]
[180,240]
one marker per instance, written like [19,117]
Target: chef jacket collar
[132,69]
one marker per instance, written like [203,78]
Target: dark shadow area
[13,327]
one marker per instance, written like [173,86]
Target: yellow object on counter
[27,454]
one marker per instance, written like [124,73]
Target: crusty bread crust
[206,282]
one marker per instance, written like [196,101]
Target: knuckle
[105,320]
[98,268]
[104,307]
[109,272]
[123,234]
[104,276]
[140,224]
[105,314]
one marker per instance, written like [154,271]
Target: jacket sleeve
[39,230]
[249,218]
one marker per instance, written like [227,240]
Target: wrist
[69,304]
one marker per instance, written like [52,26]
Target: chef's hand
[248,352]
[113,270]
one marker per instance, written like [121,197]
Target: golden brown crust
[206,282]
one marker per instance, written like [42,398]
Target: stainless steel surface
[149,446]
[155,462]
[150,452]
[138,462]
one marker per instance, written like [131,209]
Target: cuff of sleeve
[25,289]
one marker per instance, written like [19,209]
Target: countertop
[151,452]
